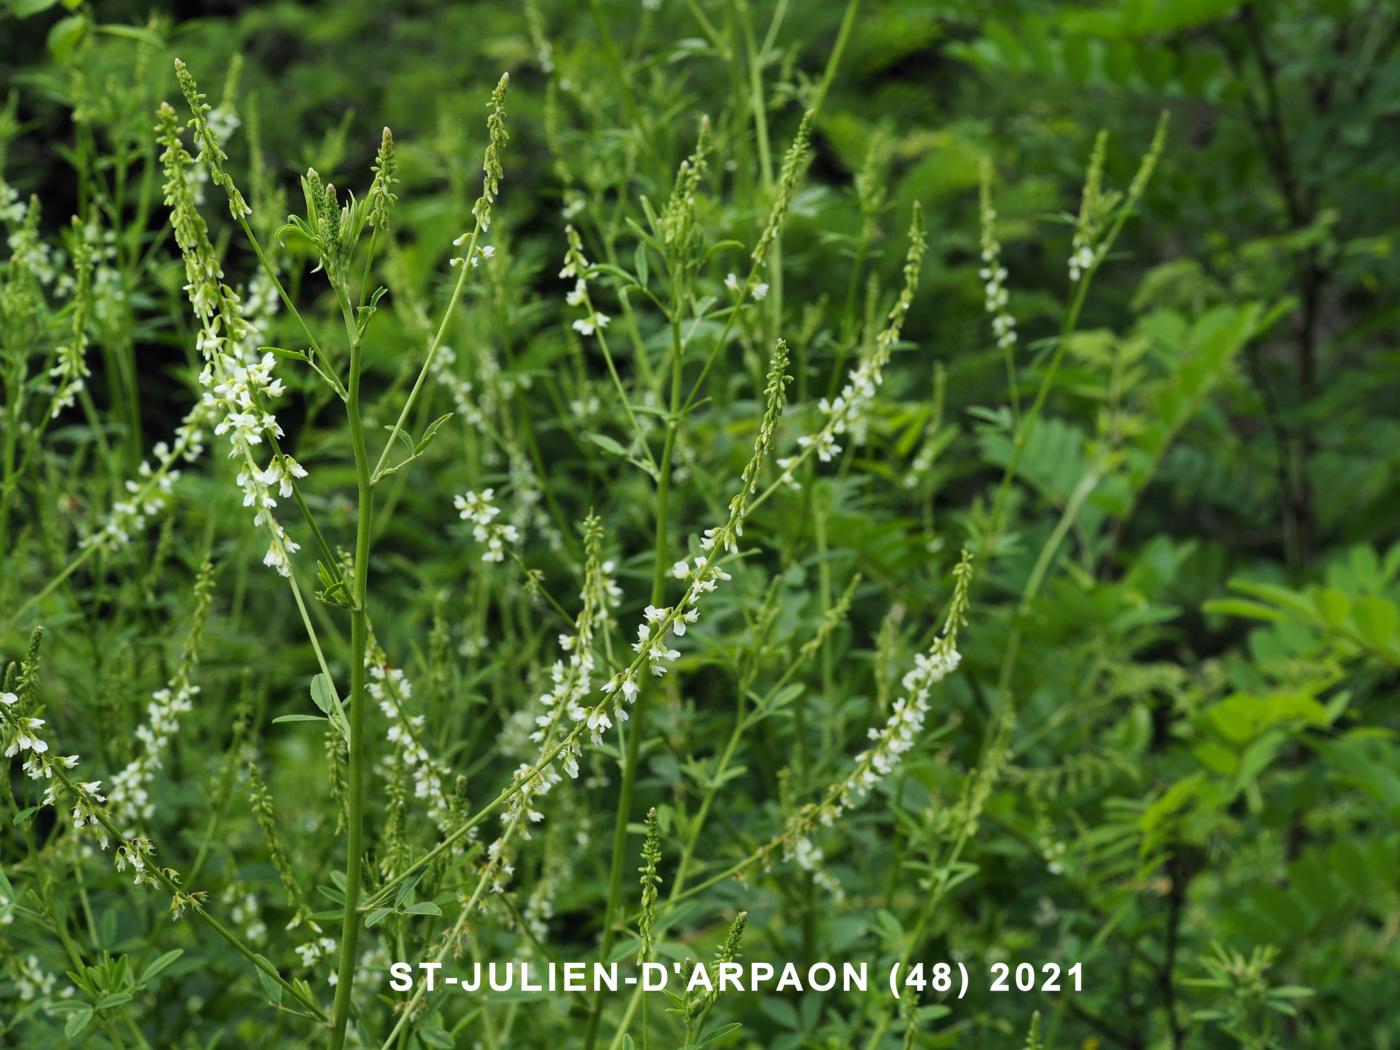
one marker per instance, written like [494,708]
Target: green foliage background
[1190,605]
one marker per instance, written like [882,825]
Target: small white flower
[760,291]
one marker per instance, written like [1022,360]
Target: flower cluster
[313,951]
[497,137]
[235,389]
[849,410]
[389,687]
[28,250]
[163,715]
[129,794]
[22,735]
[702,575]
[810,858]
[12,207]
[136,853]
[484,251]
[759,291]
[207,137]
[244,912]
[794,163]
[888,743]
[33,982]
[570,685]
[480,509]
[901,729]
[1081,258]
[677,220]
[71,369]
[993,273]
[150,492]
[459,389]
[576,266]
[1093,206]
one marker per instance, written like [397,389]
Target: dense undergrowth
[753,482]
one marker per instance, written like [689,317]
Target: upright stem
[638,719]
[359,641]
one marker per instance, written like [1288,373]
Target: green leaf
[719,1033]
[607,444]
[297,718]
[160,965]
[321,693]
[66,35]
[423,908]
[377,916]
[112,999]
[436,1037]
[1377,620]
[26,8]
[273,989]
[402,435]
[78,1022]
[430,432]
[639,259]
[291,355]
[1247,609]
[24,816]
[143,36]
[406,890]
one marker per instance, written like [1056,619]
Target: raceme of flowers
[993,273]
[129,794]
[390,688]
[21,734]
[576,266]
[702,575]
[900,731]
[849,411]
[234,389]
[149,493]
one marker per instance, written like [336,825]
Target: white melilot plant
[237,392]
[849,411]
[129,794]
[993,273]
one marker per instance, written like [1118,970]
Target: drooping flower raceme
[849,411]
[22,736]
[150,492]
[236,391]
[993,273]
[71,371]
[129,795]
[702,575]
[390,688]
[889,743]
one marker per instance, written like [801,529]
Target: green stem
[359,644]
[463,267]
[639,710]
